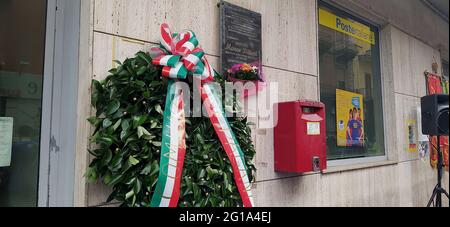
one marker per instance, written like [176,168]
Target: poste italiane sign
[353,29]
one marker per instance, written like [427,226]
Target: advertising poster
[349,119]
[412,138]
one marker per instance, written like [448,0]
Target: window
[350,85]
[22,44]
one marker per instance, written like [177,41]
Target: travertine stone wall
[119,28]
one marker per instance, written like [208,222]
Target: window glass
[22,39]
[445,69]
[350,85]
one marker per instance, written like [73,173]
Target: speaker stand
[436,197]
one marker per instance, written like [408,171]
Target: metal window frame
[365,21]
[59,104]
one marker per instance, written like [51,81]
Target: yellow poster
[349,119]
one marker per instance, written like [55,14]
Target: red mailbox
[299,137]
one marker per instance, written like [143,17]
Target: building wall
[116,29]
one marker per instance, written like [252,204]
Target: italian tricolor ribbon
[181,56]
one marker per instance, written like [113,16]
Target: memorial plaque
[240,36]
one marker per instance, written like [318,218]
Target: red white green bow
[180,56]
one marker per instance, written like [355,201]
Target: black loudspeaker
[435,115]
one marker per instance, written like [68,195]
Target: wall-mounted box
[300,137]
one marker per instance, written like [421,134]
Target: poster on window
[349,119]
[412,139]
[6,135]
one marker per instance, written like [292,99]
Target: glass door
[22,44]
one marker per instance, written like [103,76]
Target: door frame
[59,104]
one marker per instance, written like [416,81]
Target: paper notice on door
[6,134]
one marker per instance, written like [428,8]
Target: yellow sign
[351,28]
[349,119]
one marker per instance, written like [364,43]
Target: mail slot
[300,137]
